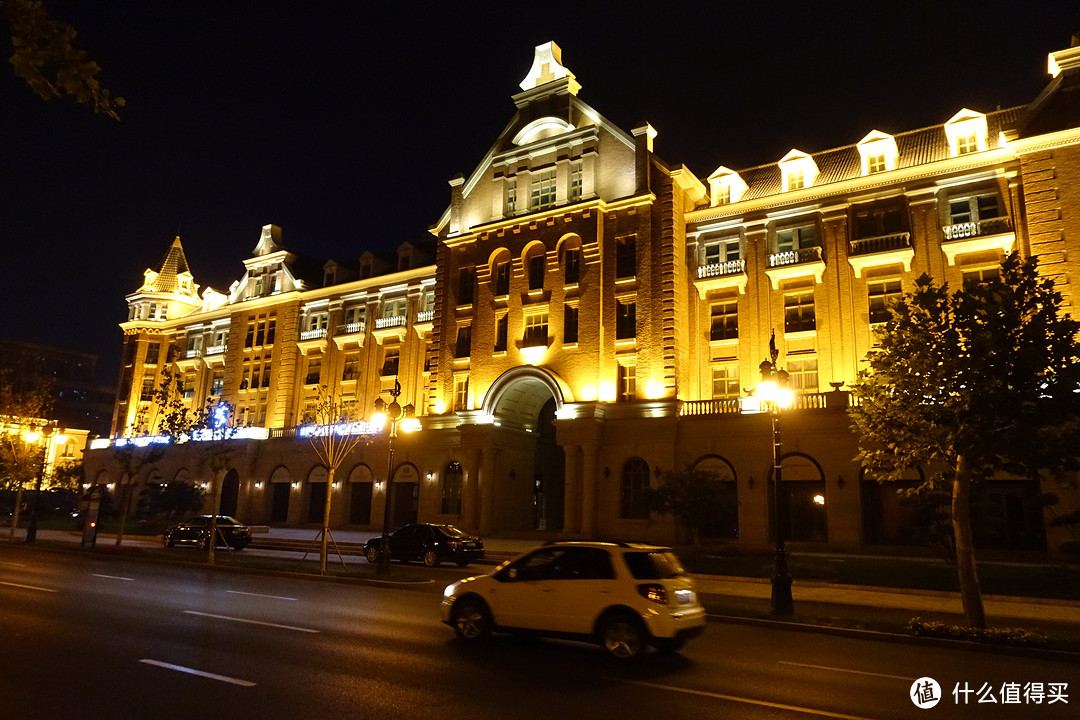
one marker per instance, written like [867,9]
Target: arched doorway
[802,499]
[726,525]
[529,465]
[230,492]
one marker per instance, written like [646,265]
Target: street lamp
[398,417]
[774,391]
[46,434]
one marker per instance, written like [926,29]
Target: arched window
[452,479]
[635,478]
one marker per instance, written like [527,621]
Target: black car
[196,531]
[433,544]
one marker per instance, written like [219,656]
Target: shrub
[996,636]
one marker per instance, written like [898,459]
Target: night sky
[342,122]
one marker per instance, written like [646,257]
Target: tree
[971,384]
[336,433]
[44,54]
[26,399]
[695,497]
[211,426]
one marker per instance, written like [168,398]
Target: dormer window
[725,186]
[966,133]
[797,171]
[877,152]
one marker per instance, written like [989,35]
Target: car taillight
[654,593]
[455,543]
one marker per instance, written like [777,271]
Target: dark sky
[342,122]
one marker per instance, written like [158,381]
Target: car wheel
[372,554]
[471,618]
[669,645]
[622,637]
[431,558]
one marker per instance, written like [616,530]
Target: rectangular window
[147,393]
[466,285]
[967,143]
[882,295]
[318,321]
[973,209]
[627,382]
[625,257]
[502,278]
[625,319]
[575,182]
[500,333]
[463,346]
[354,318]
[395,307]
[266,374]
[351,369]
[511,196]
[803,375]
[796,180]
[799,312]
[217,383]
[153,350]
[981,275]
[461,392]
[536,271]
[724,320]
[725,381]
[570,324]
[189,387]
[536,325]
[572,266]
[314,368]
[879,221]
[390,361]
[722,195]
[875,163]
[796,238]
[543,190]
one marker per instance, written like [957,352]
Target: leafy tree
[695,497]
[26,401]
[969,384]
[45,55]
[211,426]
[337,433]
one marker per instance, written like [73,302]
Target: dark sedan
[432,544]
[196,531]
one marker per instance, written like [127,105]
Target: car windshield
[226,520]
[452,531]
[654,565]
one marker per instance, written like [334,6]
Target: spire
[547,68]
[173,265]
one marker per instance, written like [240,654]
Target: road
[86,636]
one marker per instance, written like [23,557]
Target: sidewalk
[1000,608]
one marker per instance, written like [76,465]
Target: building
[593,315]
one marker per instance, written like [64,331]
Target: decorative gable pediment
[725,186]
[797,170]
[877,152]
[966,132]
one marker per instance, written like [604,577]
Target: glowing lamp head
[32,436]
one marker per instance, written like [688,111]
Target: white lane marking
[272,597]
[27,587]
[855,672]
[250,622]
[113,577]
[748,701]
[200,673]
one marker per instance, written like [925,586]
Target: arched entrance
[529,466]
[230,492]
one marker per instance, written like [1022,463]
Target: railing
[216,349]
[350,328]
[193,353]
[425,316]
[881,243]
[312,334]
[730,267]
[803,401]
[991,226]
[392,321]
[795,257]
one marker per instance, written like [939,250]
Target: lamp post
[46,434]
[773,389]
[404,418]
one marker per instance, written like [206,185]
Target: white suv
[623,595]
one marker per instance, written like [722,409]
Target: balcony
[789,264]
[352,328]
[392,321]
[981,235]
[425,316]
[316,334]
[717,276]
[216,349]
[880,250]
[836,400]
[193,353]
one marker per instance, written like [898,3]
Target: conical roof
[172,265]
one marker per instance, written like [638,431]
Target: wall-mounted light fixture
[840,481]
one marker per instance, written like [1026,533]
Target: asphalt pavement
[999,609]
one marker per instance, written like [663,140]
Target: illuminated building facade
[591,315]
